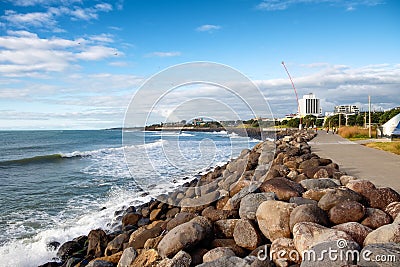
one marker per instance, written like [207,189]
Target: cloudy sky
[75,64]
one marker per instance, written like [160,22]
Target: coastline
[231,213]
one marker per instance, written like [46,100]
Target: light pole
[369,116]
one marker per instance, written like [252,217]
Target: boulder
[250,203]
[354,229]
[67,249]
[179,219]
[393,209]
[387,253]
[116,244]
[147,258]
[225,228]
[318,183]
[139,237]
[375,218]
[334,197]
[308,234]
[273,218]
[229,243]
[234,202]
[246,234]
[130,218]
[217,253]
[308,213]
[385,234]
[346,211]
[302,201]
[100,263]
[345,179]
[127,257]
[97,243]
[114,258]
[228,261]
[284,251]
[181,259]
[316,194]
[332,254]
[152,242]
[185,236]
[309,164]
[214,214]
[282,187]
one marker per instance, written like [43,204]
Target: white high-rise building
[310,105]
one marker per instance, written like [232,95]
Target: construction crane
[295,91]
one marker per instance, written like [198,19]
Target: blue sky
[75,64]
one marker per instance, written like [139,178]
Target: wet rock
[393,209]
[217,253]
[97,243]
[180,218]
[336,196]
[346,211]
[375,218]
[116,244]
[246,234]
[67,249]
[273,218]
[389,251]
[250,203]
[308,213]
[319,183]
[385,234]
[282,187]
[147,258]
[225,228]
[354,229]
[127,257]
[302,201]
[283,251]
[130,219]
[308,234]
[185,236]
[50,264]
[349,249]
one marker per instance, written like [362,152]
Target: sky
[76,64]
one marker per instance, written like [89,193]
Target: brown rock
[217,253]
[273,218]
[375,218]
[354,229]
[154,214]
[316,194]
[389,233]
[130,219]
[197,256]
[246,234]
[171,213]
[152,242]
[222,202]
[308,213]
[147,258]
[284,251]
[116,244]
[345,179]
[309,164]
[141,235]
[114,258]
[393,209]
[97,243]
[308,234]
[337,195]
[283,188]
[180,218]
[185,236]
[321,173]
[346,211]
[229,243]
[225,228]
[213,214]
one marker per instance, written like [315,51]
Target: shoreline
[246,198]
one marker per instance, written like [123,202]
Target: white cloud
[208,28]
[272,5]
[164,54]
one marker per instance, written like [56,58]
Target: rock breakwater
[278,204]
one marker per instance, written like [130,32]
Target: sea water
[57,185]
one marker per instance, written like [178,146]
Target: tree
[294,123]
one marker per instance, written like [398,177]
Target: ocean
[57,185]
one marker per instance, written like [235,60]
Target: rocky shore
[275,205]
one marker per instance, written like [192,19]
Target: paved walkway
[380,167]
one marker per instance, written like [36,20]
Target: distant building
[392,127]
[347,109]
[310,105]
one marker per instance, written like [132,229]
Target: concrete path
[380,167]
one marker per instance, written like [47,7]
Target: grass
[355,133]
[393,147]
